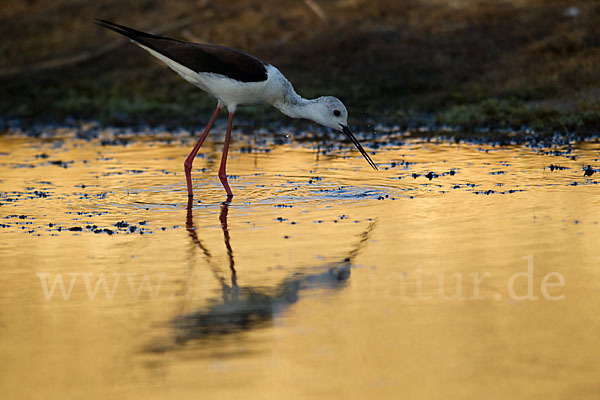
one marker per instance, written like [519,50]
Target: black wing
[198,57]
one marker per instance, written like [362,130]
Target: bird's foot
[223,179]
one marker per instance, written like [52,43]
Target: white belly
[231,92]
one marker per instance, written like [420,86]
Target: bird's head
[330,112]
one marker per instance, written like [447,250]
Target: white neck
[297,107]
[288,101]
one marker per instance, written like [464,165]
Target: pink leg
[190,159]
[222,173]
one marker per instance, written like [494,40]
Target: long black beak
[351,136]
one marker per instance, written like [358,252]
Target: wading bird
[235,78]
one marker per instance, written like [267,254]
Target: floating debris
[553,167]
[430,175]
[588,171]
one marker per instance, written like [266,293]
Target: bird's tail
[131,33]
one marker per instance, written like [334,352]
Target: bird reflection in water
[242,308]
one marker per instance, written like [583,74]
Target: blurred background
[468,64]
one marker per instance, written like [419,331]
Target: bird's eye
[337,113]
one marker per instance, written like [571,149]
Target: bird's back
[198,57]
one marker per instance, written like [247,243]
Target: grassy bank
[465,64]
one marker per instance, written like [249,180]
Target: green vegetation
[511,114]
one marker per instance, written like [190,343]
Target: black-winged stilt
[236,78]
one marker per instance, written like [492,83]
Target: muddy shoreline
[372,134]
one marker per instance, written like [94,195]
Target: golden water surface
[457,271]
